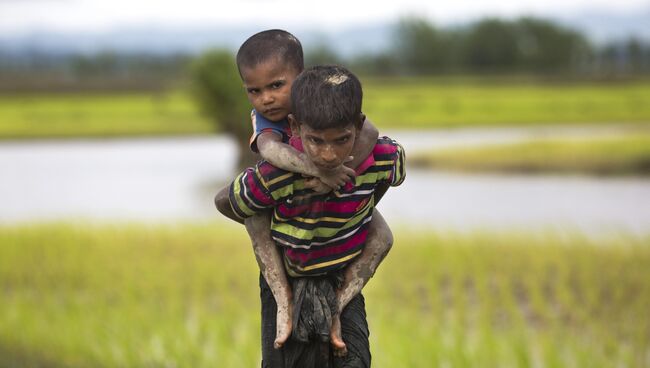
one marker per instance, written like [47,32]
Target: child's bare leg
[357,273]
[270,263]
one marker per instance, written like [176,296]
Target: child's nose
[267,98]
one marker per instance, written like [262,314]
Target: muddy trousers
[316,354]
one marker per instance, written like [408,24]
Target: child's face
[268,87]
[327,149]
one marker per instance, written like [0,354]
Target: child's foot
[336,340]
[283,325]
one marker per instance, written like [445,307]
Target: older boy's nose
[328,155]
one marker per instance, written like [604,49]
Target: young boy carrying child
[327,235]
[269,62]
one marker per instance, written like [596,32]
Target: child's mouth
[273,111]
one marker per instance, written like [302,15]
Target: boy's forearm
[269,259]
[364,145]
[222,201]
[357,273]
[287,158]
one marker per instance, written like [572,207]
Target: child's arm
[365,143]
[282,155]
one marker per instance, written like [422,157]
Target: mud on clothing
[315,353]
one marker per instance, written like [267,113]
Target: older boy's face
[268,87]
[328,149]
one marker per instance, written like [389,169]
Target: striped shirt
[323,232]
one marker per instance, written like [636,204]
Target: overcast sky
[25,16]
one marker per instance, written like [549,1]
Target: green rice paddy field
[390,103]
[90,295]
[617,154]
[423,103]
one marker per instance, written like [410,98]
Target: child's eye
[253,91]
[343,140]
[315,140]
[277,85]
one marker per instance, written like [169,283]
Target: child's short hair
[326,96]
[264,45]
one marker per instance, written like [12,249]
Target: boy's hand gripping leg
[357,274]
[270,263]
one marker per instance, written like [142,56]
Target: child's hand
[337,178]
[317,185]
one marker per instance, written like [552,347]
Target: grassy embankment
[99,115]
[390,103]
[426,103]
[615,155]
[134,296]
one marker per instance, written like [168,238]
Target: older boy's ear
[362,120]
[293,124]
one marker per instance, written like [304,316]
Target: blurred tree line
[525,45]
[108,70]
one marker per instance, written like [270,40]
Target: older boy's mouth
[327,167]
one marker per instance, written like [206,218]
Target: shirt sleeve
[262,124]
[249,194]
[398,171]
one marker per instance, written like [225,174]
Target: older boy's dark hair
[326,96]
[265,45]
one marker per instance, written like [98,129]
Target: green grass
[390,103]
[614,155]
[424,103]
[186,296]
[113,114]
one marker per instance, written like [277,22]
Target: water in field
[172,179]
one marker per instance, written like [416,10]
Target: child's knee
[386,235]
[381,234]
[380,231]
